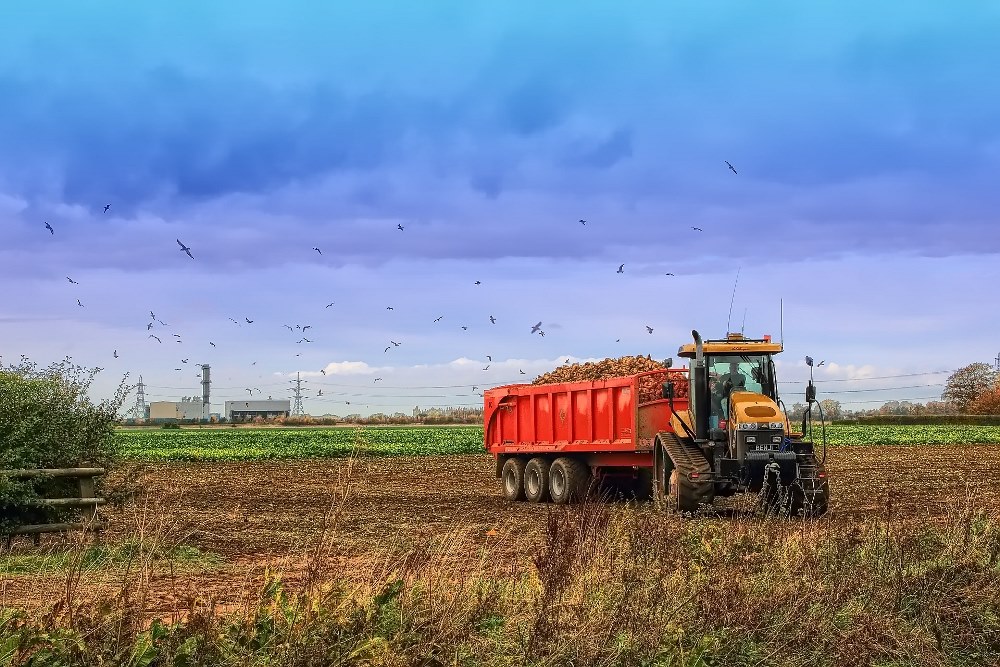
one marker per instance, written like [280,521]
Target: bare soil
[348,517]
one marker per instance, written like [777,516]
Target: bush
[47,421]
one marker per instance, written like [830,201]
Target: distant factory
[267,409]
[191,408]
[186,409]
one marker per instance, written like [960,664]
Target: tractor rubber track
[689,459]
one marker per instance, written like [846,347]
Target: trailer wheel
[569,480]
[512,478]
[536,480]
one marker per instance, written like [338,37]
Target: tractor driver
[727,383]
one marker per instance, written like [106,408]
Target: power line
[912,386]
[878,377]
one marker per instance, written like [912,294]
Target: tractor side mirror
[668,390]
[668,362]
[810,392]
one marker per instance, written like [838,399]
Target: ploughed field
[355,515]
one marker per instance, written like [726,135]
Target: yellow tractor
[732,435]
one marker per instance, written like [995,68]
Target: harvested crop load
[649,386]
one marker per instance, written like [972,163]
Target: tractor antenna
[733,300]
[781,321]
[743,326]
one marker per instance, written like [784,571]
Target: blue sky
[865,139]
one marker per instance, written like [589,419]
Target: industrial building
[187,409]
[175,410]
[238,410]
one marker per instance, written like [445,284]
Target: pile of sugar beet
[649,386]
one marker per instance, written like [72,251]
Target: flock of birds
[536,328]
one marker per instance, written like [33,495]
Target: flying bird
[318,250]
[78,303]
[621,268]
[394,343]
[156,337]
[72,281]
[211,343]
[149,326]
[320,393]
[493,320]
[542,334]
[323,371]
[184,361]
[303,340]
[478,283]
[176,335]
[152,315]
[116,354]
[185,249]
[288,326]
[161,321]
[583,222]
[49,227]
[388,307]
[731,166]
[465,328]
[698,229]
[668,274]
[330,304]
[487,367]
[308,326]
[489,358]
[106,207]
[649,329]
[536,327]
[249,321]
[521,372]
[438,319]
[820,363]
[399,227]
[377,379]
[234,321]
[387,349]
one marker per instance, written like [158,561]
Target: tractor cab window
[729,373]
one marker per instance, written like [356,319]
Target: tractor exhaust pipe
[700,399]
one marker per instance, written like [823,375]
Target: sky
[859,223]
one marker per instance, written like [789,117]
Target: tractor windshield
[729,373]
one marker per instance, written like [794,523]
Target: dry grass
[605,584]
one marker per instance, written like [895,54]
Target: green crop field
[247,444]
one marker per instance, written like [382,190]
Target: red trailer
[552,441]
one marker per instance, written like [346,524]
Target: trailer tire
[536,480]
[512,478]
[569,480]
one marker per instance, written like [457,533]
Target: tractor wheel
[672,481]
[820,495]
[512,478]
[569,480]
[536,480]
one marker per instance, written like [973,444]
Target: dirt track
[273,513]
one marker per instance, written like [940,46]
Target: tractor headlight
[751,439]
[777,425]
[748,426]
